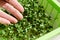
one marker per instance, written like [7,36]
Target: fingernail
[22,9]
[20,16]
[14,21]
[8,22]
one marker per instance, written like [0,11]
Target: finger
[2,3]
[4,21]
[16,4]
[8,17]
[13,11]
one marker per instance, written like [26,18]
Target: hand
[14,8]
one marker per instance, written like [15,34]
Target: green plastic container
[53,8]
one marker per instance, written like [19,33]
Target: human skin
[14,8]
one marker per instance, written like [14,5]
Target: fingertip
[21,17]
[4,21]
[7,23]
[22,9]
[15,21]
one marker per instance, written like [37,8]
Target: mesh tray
[53,8]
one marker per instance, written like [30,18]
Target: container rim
[54,5]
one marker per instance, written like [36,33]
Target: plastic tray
[53,8]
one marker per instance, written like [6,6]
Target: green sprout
[36,23]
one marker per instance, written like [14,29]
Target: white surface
[57,2]
[56,38]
